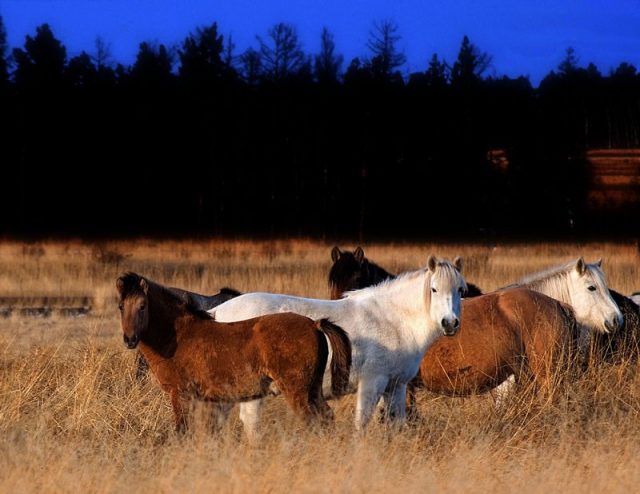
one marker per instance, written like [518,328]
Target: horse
[201,302]
[353,271]
[511,332]
[196,357]
[390,325]
[205,302]
[624,344]
[584,288]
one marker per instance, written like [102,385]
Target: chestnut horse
[353,271]
[193,356]
[196,300]
[512,332]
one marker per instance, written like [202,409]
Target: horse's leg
[501,392]
[397,408]
[179,405]
[320,405]
[412,407]
[249,415]
[370,390]
[142,366]
[220,414]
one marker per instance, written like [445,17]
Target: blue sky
[523,37]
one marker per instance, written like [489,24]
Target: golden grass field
[73,417]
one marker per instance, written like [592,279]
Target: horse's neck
[383,274]
[164,310]
[402,304]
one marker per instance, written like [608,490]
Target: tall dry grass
[72,416]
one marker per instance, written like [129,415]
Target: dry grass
[72,416]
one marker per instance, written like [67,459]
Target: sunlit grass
[73,417]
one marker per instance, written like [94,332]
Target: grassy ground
[72,416]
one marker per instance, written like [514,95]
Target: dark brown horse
[196,300]
[193,356]
[512,332]
[624,344]
[353,271]
[205,302]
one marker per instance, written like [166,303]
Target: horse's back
[259,304]
[535,312]
[246,306]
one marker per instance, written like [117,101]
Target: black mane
[130,283]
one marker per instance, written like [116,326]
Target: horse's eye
[461,291]
[120,307]
[142,306]
[434,290]
[591,288]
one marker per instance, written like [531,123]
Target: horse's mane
[552,280]
[398,280]
[230,291]
[408,276]
[131,284]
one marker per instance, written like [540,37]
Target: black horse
[352,271]
[197,301]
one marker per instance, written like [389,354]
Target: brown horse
[353,271]
[193,356]
[516,331]
[196,300]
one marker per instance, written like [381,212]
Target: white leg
[503,390]
[369,392]
[250,414]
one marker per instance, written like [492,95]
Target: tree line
[201,139]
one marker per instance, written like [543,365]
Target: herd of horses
[380,336]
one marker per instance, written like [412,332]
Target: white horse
[391,326]
[583,287]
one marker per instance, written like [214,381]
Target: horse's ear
[458,263]
[144,285]
[359,254]
[120,285]
[335,253]
[431,263]
[580,266]
[599,262]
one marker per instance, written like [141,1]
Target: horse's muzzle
[132,342]
[450,326]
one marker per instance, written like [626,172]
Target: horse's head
[443,290]
[349,271]
[592,303]
[133,304]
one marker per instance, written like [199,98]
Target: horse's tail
[341,359]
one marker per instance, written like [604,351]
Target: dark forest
[198,139]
